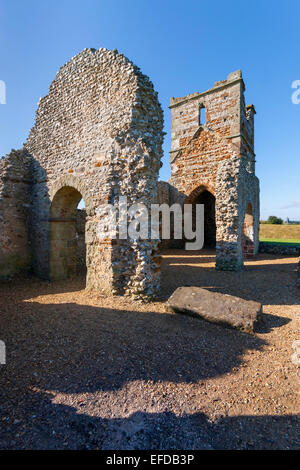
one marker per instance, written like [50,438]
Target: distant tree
[274,220]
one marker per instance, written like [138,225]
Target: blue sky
[184,47]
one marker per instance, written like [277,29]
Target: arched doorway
[204,196]
[248,233]
[67,234]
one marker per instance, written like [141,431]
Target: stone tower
[213,162]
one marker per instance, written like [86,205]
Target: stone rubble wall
[99,130]
[228,216]
[235,189]
[15,253]
[277,249]
[80,234]
[249,193]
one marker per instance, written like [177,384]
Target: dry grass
[280,232]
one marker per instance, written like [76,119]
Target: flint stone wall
[273,248]
[15,253]
[80,236]
[97,135]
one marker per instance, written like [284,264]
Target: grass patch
[279,233]
[280,241]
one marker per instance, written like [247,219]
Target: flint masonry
[97,136]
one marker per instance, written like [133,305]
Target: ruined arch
[247,239]
[63,241]
[198,190]
[71,245]
[77,184]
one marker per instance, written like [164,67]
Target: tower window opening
[202,115]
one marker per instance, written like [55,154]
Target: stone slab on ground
[215,307]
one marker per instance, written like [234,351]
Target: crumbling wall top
[232,78]
[97,98]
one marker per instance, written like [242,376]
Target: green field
[285,234]
[280,241]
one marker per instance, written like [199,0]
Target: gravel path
[89,372]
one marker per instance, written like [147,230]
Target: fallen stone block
[215,307]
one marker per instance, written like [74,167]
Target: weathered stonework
[213,162]
[97,136]
[80,239]
[278,249]
[15,253]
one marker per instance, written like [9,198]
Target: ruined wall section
[236,187]
[248,182]
[247,126]
[249,191]
[218,155]
[80,235]
[99,130]
[163,192]
[15,253]
[197,148]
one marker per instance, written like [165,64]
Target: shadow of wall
[85,355]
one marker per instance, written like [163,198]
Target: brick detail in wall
[217,156]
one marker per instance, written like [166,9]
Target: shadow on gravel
[52,426]
[75,348]
[25,287]
[269,322]
[270,283]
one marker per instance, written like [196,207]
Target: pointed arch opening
[203,195]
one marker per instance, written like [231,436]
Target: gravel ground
[90,372]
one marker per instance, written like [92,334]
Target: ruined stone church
[98,135]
